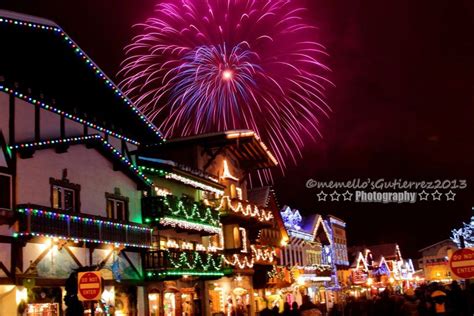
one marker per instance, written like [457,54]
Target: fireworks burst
[212,65]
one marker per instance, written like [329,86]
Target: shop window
[64,194]
[5,192]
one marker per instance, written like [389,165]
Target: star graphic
[436,195]
[347,196]
[321,196]
[335,196]
[423,196]
[450,196]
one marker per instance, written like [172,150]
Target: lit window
[117,209]
[64,198]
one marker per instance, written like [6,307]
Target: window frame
[65,184]
[117,198]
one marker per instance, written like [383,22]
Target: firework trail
[211,65]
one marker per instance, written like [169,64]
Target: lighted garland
[85,220]
[184,211]
[82,55]
[250,210]
[260,254]
[241,263]
[174,222]
[212,262]
[195,213]
[318,267]
[182,179]
[182,273]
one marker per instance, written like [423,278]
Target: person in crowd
[275,311]
[308,308]
[294,309]
[286,309]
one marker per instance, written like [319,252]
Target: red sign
[89,285]
[359,277]
[462,263]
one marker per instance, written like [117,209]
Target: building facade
[316,250]
[434,261]
[71,191]
[377,267]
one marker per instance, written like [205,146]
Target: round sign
[462,263]
[89,286]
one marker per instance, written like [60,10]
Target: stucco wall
[86,167]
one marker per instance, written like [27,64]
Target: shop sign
[89,285]
[359,277]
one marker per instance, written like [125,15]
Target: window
[116,209]
[65,195]
[64,198]
[5,192]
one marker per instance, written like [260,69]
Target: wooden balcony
[176,263]
[182,214]
[37,220]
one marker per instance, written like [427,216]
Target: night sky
[402,105]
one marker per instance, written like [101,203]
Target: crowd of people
[427,300]
[307,308]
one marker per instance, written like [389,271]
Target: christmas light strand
[182,179]
[250,210]
[212,262]
[83,56]
[174,222]
[85,220]
[65,114]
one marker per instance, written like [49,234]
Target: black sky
[403,102]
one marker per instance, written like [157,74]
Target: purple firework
[212,65]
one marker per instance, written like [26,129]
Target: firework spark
[212,65]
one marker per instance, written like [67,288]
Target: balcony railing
[181,213]
[244,213]
[42,221]
[160,264]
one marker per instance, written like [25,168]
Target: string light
[250,210]
[236,261]
[189,261]
[45,143]
[174,222]
[194,183]
[182,179]
[181,273]
[144,232]
[124,160]
[263,254]
[183,209]
[65,114]
[94,68]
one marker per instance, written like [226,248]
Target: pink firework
[212,65]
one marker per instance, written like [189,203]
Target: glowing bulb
[227,74]
[370,281]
